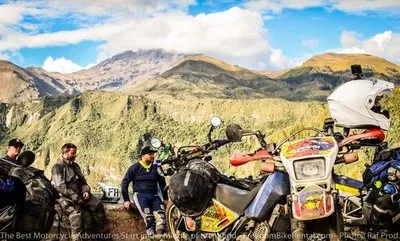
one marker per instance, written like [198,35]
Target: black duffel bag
[191,191]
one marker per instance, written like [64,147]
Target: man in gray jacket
[69,181]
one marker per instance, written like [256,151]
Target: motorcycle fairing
[348,186]
[216,217]
[313,202]
[273,191]
[308,147]
[311,194]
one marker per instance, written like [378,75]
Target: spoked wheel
[175,222]
[327,229]
[176,227]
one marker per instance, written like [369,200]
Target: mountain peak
[204,64]
[5,64]
[341,62]
[149,55]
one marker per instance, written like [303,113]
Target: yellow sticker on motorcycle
[216,217]
[308,147]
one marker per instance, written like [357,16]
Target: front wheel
[175,223]
[327,229]
[177,229]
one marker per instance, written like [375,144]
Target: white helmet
[358,104]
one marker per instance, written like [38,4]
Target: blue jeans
[148,204]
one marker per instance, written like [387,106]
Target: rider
[13,150]
[147,185]
[69,181]
[9,185]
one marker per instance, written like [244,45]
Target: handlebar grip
[267,167]
[347,158]
[215,145]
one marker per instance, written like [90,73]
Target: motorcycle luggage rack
[353,213]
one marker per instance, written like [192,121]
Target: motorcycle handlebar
[181,159]
[214,145]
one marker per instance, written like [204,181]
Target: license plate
[114,192]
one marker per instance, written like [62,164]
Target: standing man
[13,150]
[147,185]
[69,181]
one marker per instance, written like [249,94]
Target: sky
[67,36]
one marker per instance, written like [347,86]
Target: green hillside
[106,127]
[177,105]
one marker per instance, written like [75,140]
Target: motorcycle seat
[235,199]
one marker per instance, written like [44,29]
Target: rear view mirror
[26,158]
[234,132]
[215,121]
[155,142]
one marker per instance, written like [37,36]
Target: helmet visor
[381,103]
[383,98]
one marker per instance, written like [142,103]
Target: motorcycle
[206,205]
[304,168]
[371,207]
[27,206]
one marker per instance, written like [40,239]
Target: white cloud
[385,44]
[351,50]
[366,5]
[350,6]
[61,65]
[277,6]
[110,17]
[4,56]
[280,61]
[92,8]
[237,36]
[14,13]
[268,17]
[7,55]
[16,40]
[311,43]
[349,39]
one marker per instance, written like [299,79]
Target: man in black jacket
[149,191]
[13,150]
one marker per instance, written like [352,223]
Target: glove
[7,185]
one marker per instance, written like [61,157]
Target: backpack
[377,171]
[38,210]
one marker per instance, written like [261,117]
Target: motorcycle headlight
[309,169]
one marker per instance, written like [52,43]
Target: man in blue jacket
[149,191]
